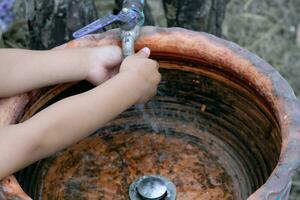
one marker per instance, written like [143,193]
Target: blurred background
[269,28]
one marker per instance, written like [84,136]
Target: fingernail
[146,50]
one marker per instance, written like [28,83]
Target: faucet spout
[130,19]
[129,35]
[128,39]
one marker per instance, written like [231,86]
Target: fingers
[155,63]
[103,63]
[143,53]
[113,71]
[111,56]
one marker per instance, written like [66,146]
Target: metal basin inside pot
[215,129]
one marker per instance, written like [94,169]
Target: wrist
[73,64]
[86,61]
[137,85]
[96,72]
[80,62]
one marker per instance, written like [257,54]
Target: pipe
[129,36]
[128,39]
[138,4]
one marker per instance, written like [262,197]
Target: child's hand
[146,70]
[70,120]
[103,63]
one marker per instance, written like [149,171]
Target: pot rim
[255,72]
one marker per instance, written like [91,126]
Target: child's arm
[25,70]
[74,118]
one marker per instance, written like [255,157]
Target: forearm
[74,118]
[65,123]
[68,121]
[24,70]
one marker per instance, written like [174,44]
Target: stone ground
[269,28]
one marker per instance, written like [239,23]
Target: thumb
[143,53]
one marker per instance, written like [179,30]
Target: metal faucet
[130,19]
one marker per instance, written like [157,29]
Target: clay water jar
[224,125]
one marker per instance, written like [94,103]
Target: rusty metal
[268,103]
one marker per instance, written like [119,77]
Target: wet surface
[212,140]
[104,168]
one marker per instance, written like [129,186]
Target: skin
[74,118]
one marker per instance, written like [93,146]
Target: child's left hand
[25,70]
[103,63]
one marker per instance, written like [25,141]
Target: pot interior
[205,131]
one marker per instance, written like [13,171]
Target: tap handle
[127,19]
[96,25]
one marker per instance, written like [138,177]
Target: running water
[148,113]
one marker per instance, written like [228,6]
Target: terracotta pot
[248,116]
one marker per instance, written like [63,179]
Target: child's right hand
[145,70]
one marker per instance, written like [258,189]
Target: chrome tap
[130,19]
